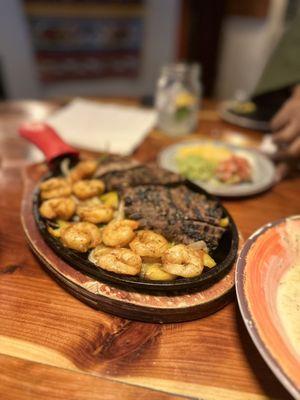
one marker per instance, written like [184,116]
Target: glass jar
[177,98]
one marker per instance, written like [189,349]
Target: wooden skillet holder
[99,295]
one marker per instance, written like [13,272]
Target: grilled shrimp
[55,187]
[119,261]
[84,169]
[119,233]
[59,207]
[55,230]
[80,236]
[149,244]
[182,261]
[85,189]
[95,213]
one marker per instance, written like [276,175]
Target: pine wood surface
[53,346]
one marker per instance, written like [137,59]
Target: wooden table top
[52,346]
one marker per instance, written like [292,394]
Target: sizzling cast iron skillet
[225,254]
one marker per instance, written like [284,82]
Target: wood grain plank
[200,391]
[41,321]
[22,379]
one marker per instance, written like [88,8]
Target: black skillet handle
[47,140]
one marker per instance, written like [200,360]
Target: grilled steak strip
[195,206]
[189,231]
[139,175]
[115,163]
[154,208]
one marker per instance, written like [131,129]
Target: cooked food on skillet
[132,219]
[80,236]
[55,187]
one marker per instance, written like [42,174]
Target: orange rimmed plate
[268,292]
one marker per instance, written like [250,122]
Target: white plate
[241,120]
[263,170]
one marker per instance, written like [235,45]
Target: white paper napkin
[101,126]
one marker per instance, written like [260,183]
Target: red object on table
[47,140]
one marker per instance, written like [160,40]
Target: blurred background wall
[248,37]
[19,57]
[18,75]
[117,47]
